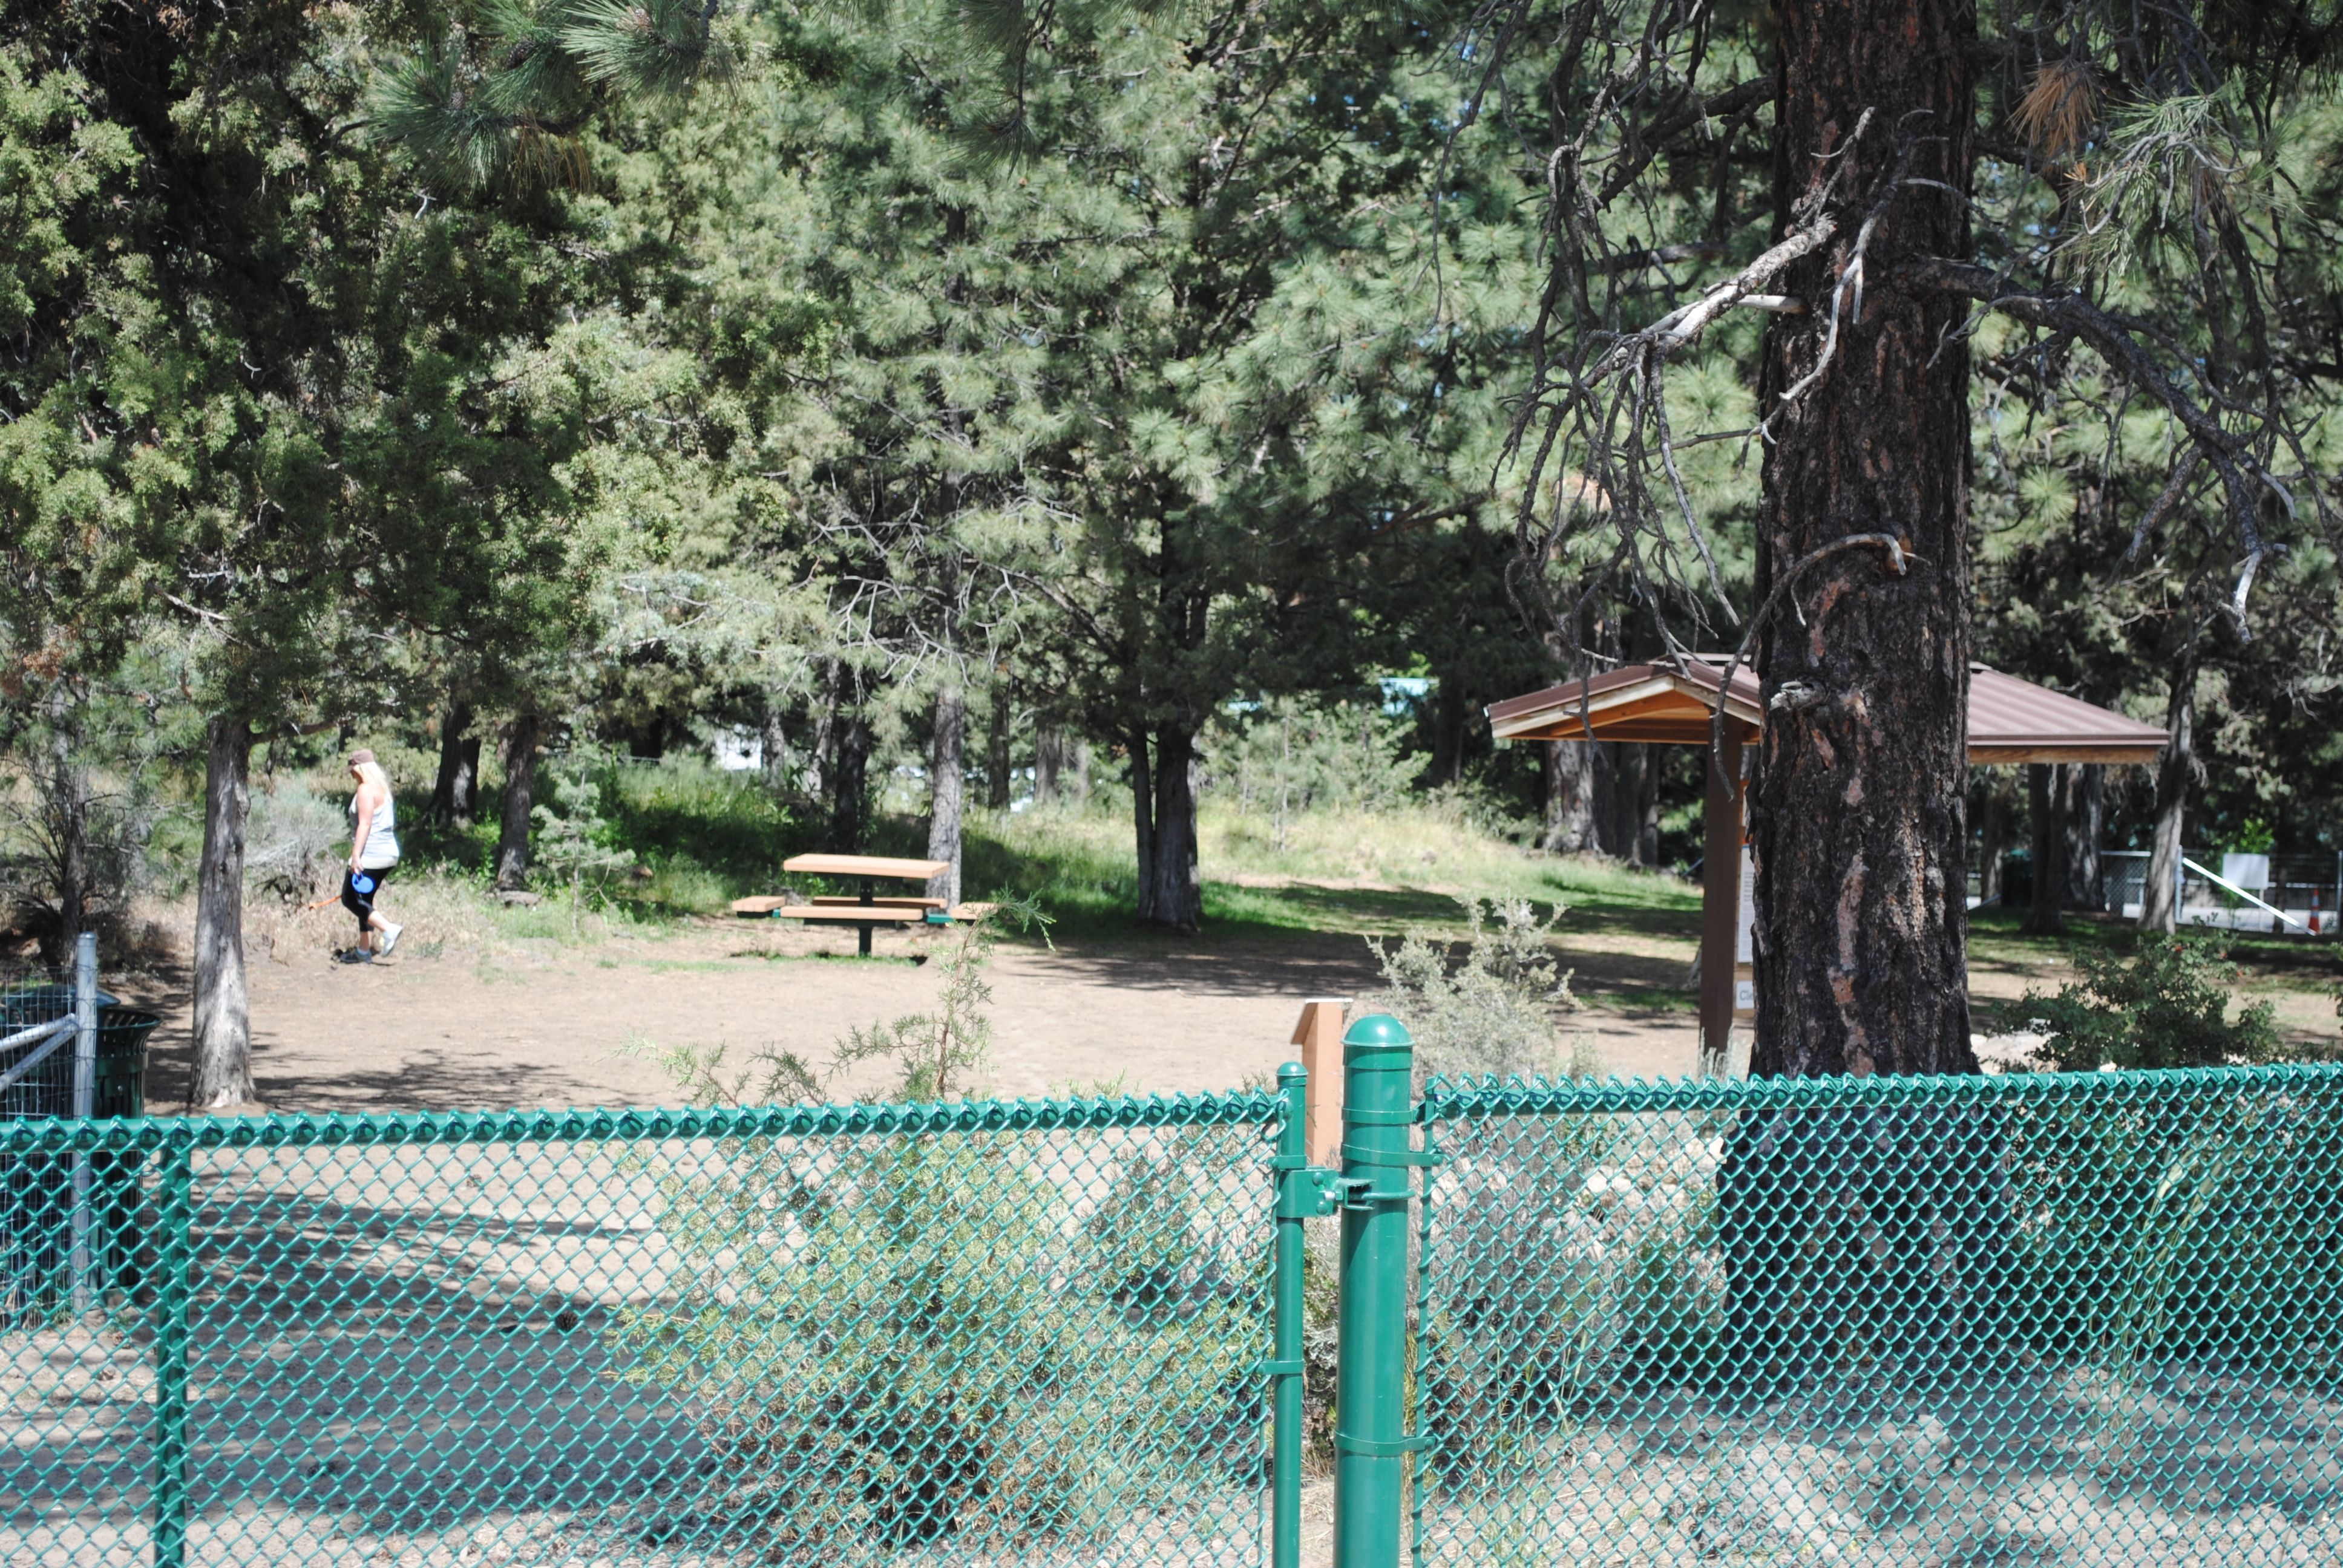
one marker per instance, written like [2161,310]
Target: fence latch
[1316,1191]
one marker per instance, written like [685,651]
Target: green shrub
[918,1337]
[2168,1006]
[1492,1011]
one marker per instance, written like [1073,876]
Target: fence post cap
[1289,1071]
[1378,1028]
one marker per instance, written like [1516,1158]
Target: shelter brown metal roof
[2010,720]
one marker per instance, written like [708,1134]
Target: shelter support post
[1720,905]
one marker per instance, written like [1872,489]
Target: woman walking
[374,850]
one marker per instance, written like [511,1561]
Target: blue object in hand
[362,883]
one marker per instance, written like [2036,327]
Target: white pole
[84,1104]
[2276,914]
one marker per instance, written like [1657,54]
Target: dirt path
[538,1023]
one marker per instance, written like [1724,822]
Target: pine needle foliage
[504,101]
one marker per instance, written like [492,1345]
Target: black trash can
[36,1189]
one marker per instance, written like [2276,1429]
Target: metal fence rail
[1031,1331]
[2088,1319]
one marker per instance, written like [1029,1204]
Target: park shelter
[2010,720]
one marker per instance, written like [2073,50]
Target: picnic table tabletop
[864,866]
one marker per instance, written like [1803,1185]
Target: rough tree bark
[773,749]
[1857,809]
[2045,800]
[944,787]
[1143,813]
[2085,812]
[825,731]
[67,809]
[521,740]
[1568,798]
[850,784]
[222,1078]
[1884,1226]
[1993,838]
[997,762]
[2159,901]
[1048,757]
[1645,851]
[1171,890]
[456,794]
[1450,720]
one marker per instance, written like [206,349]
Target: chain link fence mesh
[2087,1321]
[1027,1331]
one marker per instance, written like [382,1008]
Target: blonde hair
[369,772]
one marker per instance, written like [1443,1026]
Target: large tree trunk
[850,815]
[454,794]
[1142,818]
[1857,811]
[67,809]
[223,1017]
[773,749]
[825,733]
[1171,892]
[997,735]
[1451,718]
[521,738]
[1992,835]
[944,792]
[1861,1235]
[2046,798]
[2085,811]
[1049,758]
[2159,900]
[1624,808]
[1568,798]
[1646,850]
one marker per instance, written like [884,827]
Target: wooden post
[1720,903]
[1319,1033]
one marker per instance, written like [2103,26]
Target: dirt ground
[539,1023]
[504,1022]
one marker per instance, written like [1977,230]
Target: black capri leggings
[360,901]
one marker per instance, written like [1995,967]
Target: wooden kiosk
[2010,720]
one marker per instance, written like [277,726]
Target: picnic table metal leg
[862,943]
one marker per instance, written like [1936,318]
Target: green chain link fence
[2090,1321]
[2081,1320]
[1032,1331]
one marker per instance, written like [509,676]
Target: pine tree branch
[2230,455]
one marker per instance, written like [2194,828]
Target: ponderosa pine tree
[2075,186]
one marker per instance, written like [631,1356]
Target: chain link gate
[1037,1332]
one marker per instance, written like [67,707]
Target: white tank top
[382,835]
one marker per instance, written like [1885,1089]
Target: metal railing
[2301,890]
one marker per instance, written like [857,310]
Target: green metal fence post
[1371,1442]
[174,1263]
[1293,1204]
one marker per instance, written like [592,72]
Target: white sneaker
[389,938]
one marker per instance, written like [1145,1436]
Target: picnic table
[869,910]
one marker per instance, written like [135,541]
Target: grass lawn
[704,836]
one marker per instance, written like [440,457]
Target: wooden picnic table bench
[864,913]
